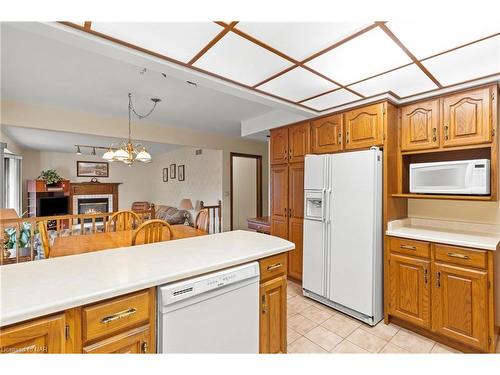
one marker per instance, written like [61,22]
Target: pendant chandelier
[128,152]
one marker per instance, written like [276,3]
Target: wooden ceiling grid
[231,27]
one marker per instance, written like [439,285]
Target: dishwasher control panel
[172,293]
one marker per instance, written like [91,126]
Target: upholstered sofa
[172,215]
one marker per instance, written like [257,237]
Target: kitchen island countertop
[33,289]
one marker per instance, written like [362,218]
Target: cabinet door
[135,341]
[299,142]
[364,127]
[326,135]
[295,217]
[409,289]
[295,257]
[273,316]
[279,200]
[419,126]
[460,309]
[40,336]
[467,118]
[279,146]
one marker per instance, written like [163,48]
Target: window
[12,182]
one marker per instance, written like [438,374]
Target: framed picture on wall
[173,170]
[165,174]
[181,173]
[92,169]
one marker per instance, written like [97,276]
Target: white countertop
[475,235]
[33,289]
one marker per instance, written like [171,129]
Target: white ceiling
[43,70]
[341,52]
[49,140]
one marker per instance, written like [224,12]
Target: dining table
[86,243]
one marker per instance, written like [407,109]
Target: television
[52,206]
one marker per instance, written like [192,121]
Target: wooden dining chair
[202,220]
[153,232]
[44,237]
[123,220]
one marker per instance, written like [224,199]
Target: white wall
[135,180]
[244,191]
[203,177]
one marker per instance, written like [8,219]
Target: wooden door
[135,341]
[279,200]
[419,126]
[40,336]
[326,134]
[409,297]
[279,146]
[273,316]
[295,218]
[364,127]
[459,304]
[299,142]
[467,118]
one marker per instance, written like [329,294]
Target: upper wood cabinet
[279,146]
[273,315]
[299,142]
[326,134]
[364,127]
[420,126]
[467,118]
[460,304]
[409,296]
[41,336]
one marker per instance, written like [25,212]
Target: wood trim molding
[212,43]
[87,25]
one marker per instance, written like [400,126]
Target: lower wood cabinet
[272,306]
[38,336]
[135,341]
[447,292]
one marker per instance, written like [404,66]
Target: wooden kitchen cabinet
[135,341]
[409,296]
[273,315]
[459,303]
[295,218]
[279,200]
[299,142]
[278,146]
[326,134]
[39,336]
[364,127]
[420,126]
[467,117]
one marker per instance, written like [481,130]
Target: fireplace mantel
[94,188]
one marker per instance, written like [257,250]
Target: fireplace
[92,206]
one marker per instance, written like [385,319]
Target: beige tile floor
[315,328]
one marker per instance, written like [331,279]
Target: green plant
[50,176]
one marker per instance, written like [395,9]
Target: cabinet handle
[118,315]
[340,138]
[434,136]
[438,280]
[459,256]
[144,347]
[274,266]
[264,305]
[289,212]
[408,247]
[289,153]
[347,137]
[425,275]
[446,134]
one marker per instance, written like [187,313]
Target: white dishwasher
[213,313]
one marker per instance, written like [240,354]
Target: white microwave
[467,177]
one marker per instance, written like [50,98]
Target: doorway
[246,188]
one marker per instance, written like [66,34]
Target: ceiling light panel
[405,81]
[366,55]
[424,39]
[332,99]
[300,39]
[463,64]
[238,59]
[178,40]
[297,84]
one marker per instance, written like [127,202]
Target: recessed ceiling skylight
[332,99]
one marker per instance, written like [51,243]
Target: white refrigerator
[343,232]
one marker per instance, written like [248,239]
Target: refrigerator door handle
[323,205]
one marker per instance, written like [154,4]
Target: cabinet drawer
[461,256]
[106,318]
[273,266]
[410,247]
